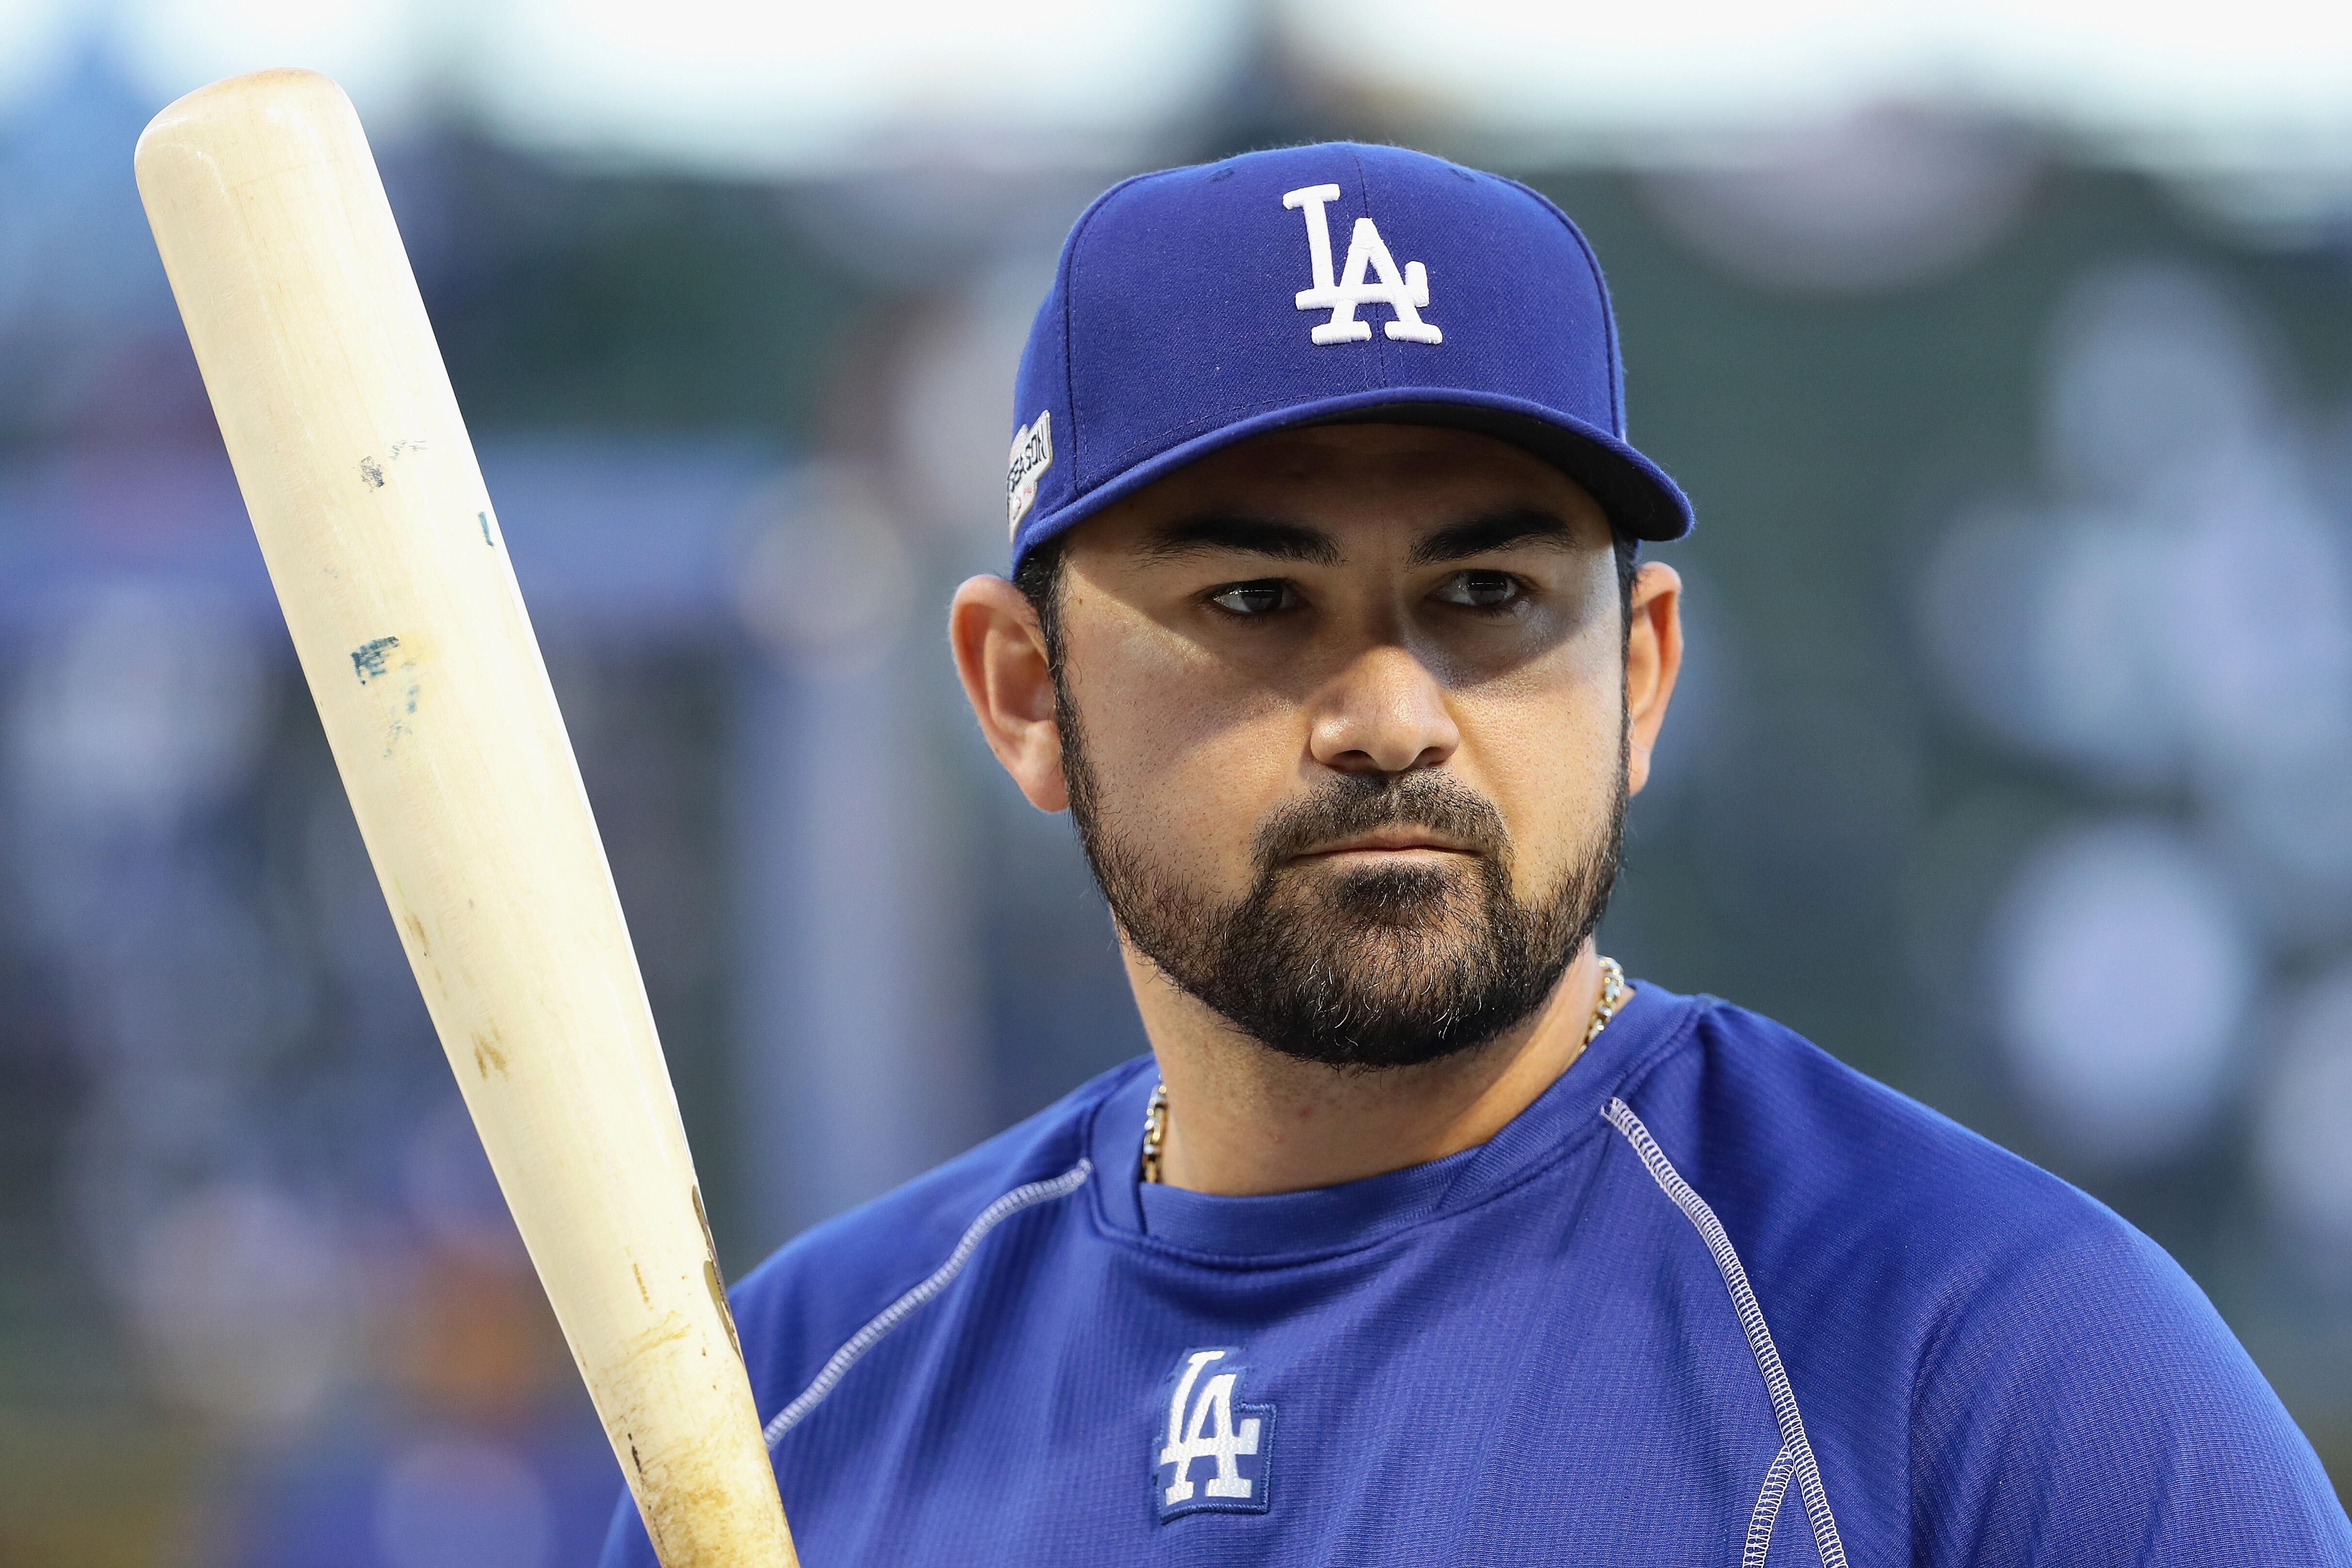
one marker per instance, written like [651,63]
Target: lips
[1360,815]
[1391,841]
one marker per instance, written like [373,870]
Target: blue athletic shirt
[1713,1299]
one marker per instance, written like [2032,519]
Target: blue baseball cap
[1340,283]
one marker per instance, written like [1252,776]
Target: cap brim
[1636,493]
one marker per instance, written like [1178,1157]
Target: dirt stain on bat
[372,473]
[643,1294]
[416,927]
[487,1056]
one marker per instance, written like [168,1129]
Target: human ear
[1653,656]
[999,656]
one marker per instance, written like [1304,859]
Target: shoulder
[1866,1209]
[1848,1183]
[2050,1371]
[813,1294]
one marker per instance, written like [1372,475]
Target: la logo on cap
[1405,293]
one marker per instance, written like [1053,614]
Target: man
[1421,1237]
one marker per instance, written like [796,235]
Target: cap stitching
[1364,184]
[1069,283]
[1608,311]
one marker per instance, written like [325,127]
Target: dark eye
[1260,598]
[1480,590]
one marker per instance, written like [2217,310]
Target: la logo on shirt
[1212,1454]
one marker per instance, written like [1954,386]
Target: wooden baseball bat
[387,559]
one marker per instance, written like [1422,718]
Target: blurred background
[2006,349]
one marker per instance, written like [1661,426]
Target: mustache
[1354,804]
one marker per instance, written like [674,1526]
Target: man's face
[1343,724]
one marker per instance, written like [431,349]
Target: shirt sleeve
[2085,1404]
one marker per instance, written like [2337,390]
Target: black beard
[1384,967]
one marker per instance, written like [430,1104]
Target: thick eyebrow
[1220,531]
[1477,535]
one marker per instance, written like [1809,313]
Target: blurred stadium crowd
[2011,764]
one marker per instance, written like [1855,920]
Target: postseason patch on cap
[1033,453]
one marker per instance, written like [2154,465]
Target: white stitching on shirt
[1767,1508]
[900,1310]
[1751,1318]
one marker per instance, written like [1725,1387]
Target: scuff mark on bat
[368,658]
[372,473]
[674,1328]
[372,663]
[644,1486]
[643,1294]
[416,925]
[710,1276]
[485,520]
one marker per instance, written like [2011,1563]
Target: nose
[1384,713]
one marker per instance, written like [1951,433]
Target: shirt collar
[1328,1220]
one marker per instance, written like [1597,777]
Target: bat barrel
[387,559]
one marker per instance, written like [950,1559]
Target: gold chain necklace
[1155,1120]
